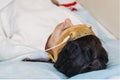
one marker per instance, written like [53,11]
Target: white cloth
[30,25]
[6,14]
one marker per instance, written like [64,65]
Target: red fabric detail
[73,9]
[69,4]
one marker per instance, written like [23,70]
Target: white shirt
[34,21]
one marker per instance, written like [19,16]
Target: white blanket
[26,25]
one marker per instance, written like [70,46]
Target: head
[82,55]
[77,56]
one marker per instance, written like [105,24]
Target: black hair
[82,55]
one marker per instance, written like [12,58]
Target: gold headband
[75,32]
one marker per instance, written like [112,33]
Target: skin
[60,28]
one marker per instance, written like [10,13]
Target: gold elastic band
[75,32]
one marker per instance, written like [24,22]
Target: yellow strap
[51,57]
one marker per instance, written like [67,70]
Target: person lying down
[72,48]
[75,49]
